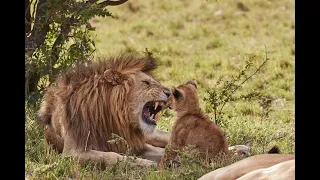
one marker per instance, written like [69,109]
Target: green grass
[193,41]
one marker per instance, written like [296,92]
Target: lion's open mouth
[150,111]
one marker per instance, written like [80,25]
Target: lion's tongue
[146,112]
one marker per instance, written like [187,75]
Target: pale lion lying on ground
[92,101]
[252,163]
[281,171]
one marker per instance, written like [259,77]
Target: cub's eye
[146,82]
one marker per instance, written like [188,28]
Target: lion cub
[192,126]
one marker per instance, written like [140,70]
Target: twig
[85,148]
[247,78]
[256,70]
[54,175]
[215,114]
[34,8]
[112,3]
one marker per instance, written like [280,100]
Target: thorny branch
[112,3]
[246,78]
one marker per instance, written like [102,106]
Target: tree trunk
[33,41]
[31,80]
[27,27]
[40,27]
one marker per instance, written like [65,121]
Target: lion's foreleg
[109,158]
[158,138]
[102,158]
[153,153]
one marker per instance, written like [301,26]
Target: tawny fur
[192,126]
[247,165]
[90,102]
[284,170]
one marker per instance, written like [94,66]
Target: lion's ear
[176,93]
[114,77]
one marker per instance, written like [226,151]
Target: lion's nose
[167,92]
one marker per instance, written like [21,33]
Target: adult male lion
[91,101]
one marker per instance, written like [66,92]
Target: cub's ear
[176,93]
[114,77]
[193,83]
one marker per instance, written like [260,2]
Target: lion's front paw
[145,162]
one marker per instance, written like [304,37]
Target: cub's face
[184,97]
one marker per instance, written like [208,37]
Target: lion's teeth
[156,105]
[151,117]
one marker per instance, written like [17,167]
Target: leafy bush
[57,34]
[224,91]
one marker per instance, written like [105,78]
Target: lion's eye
[146,82]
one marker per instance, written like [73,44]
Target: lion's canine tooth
[156,105]
[151,117]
